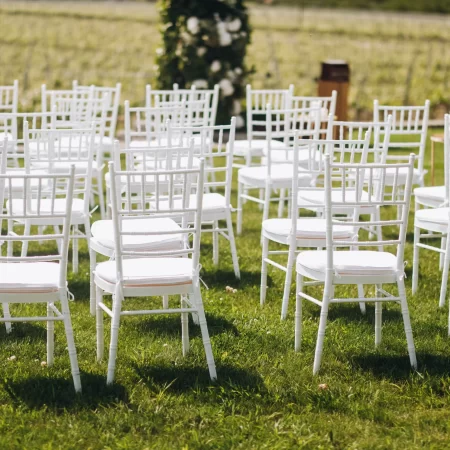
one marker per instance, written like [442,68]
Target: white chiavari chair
[359,265]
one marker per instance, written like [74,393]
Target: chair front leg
[7,315]
[416,249]
[115,324]
[445,270]
[99,323]
[288,280]
[407,323]
[184,327]
[50,337]
[215,236]
[232,239]
[298,313]
[239,210]
[263,289]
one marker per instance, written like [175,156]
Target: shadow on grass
[397,367]
[226,277]
[56,392]
[24,330]
[179,379]
[171,326]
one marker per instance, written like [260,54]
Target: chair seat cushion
[317,197]
[439,216]
[280,174]
[141,272]
[102,232]
[347,263]
[243,146]
[430,195]
[35,277]
[401,177]
[306,229]
[59,207]
[164,142]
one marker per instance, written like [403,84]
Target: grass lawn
[265,395]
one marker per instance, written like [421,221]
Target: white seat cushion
[142,272]
[102,232]
[438,216]
[430,195]
[280,174]
[255,146]
[78,214]
[347,263]
[307,229]
[401,177]
[317,197]
[37,277]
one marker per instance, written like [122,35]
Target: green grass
[395,57]
[265,395]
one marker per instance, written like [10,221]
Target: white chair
[326,105]
[434,223]
[277,175]
[9,101]
[9,98]
[300,232]
[257,101]
[138,159]
[408,133]
[112,111]
[54,151]
[152,96]
[41,278]
[153,273]
[332,267]
[218,176]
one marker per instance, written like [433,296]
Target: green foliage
[204,43]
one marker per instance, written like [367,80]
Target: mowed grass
[265,395]
[395,57]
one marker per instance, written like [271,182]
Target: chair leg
[281,202]
[233,249]
[445,274]
[407,323]
[115,324]
[99,323]
[265,251]
[205,334]
[7,315]
[261,197]
[327,293]
[298,313]
[184,328]
[287,282]
[441,255]
[362,305]
[75,249]
[50,337]
[239,210]
[165,301]
[378,316]
[26,232]
[92,265]
[194,315]
[215,243]
[70,343]
[416,249]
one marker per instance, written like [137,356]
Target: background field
[265,396]
[395,57]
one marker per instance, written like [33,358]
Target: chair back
[39,202]
[408,131]
[112,106]
[170,198]
[217,153]
[396,198]
[257,101]
[9,98]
